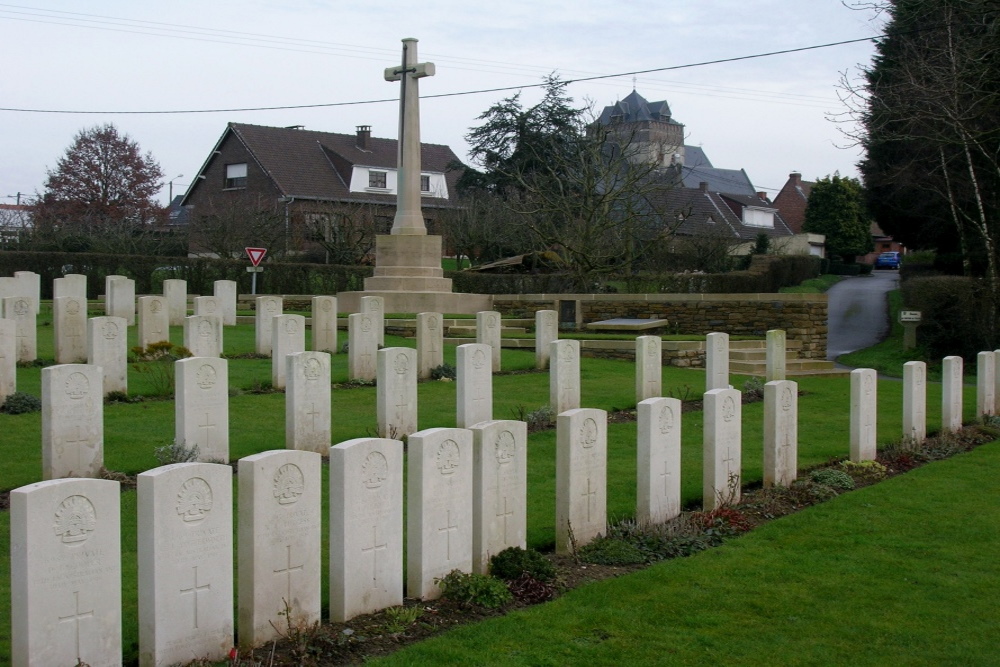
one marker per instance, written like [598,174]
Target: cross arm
[418,71]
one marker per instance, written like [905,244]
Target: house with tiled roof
[311,182]
[792,200]
[702,211]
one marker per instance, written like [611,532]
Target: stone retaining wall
[802,316]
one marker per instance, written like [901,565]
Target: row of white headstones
[443,486]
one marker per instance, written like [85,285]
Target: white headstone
[324,324]
[996,382]
[268,307]
[499,489]
[107,347]
[72,284]
[775,355]
[207,305]
[362,344]
[18,309]
[864,413]
[203,335]
[546,331]
[366,527]
[29,284]
[288,336]
[473,384]
[307,402]
[107,292]
[658,460]
[581,477]
[648,367]
[986,364]
[375,307]
[8,358]
[488,328]
[185,555]
[120,298]
[225,292]
[154,320]
[723,448]
[915,401]
[72,421]
[564,375]
[396,392]
[69,328]
[430,343]
[175,292]
[66,578]
[438,508]
[202,407]
[781,433]
[280,493]
[717,361]
[951,393]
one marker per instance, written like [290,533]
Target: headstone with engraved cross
[781,432]
[324,324]
[202,407]
[914,403]
[722,451]
[288,336]
[658,460]
[564,375]
[203,335]
[375,307]
[72,421]
[648,367]
[69,328]
[581,477]
[185,556]
[8,358]
[396,392]
[863,414]
[499,489]
[438,508]
[717,361]
[366,527]
[430,343]
[154,320]
[307,402]
[488,329]
[107,347]
[65,562]
[278,547]
[20,310]
[473,384]
[362,344]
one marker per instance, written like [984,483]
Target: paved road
[859,312]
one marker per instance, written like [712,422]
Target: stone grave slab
[362,346]
[268,307]
[120,298]
[658,460]
[65,566]
[154,320]
[307,402]
[201,415]
[8,358]
[781,433]
[775,355]
[375,307]
[72,284]
[717,361]
[546,331]
[72,421]
[396,392]
[29,284]
[207,305]
[564,375]
[226,291]
[175,292]
[107,347]
[722,472]
[203,335]
[915,401]
[438,508]
[863,414]
[366,527]
[499,489]
[324,324]
[488,328]
[473,384]
[69,328]
[18,309]
[430,343]
[279,544]
[288,336]
[581,477]
[648,367]
[951,393]
[985,384]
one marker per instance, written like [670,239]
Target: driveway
[858,312]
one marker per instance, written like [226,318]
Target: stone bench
[628,324]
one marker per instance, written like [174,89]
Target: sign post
[910,319]
[255,255]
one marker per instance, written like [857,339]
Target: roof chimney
[795,177]
[703,186]
[762,196]
[364,136]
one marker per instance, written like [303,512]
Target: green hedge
[199,272]
[956,317]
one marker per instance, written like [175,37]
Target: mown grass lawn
[134,431]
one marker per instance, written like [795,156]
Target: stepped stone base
[418,302]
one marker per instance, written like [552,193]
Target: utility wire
[480,91]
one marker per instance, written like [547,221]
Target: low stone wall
[802,316]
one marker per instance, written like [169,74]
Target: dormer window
[236,175]
[376,179]
[425,183]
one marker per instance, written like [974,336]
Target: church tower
[647,128]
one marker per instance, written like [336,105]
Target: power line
[480,91]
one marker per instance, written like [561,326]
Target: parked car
[887,260]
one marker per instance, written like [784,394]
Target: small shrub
[540,419]
[176,452]
[475,589]
[512,562]
[833,478]
[443,372]
[398,619]
[612,551]
[529,590]
[754,388]
[723,522]
[20,403]
[156,361]
[872,471]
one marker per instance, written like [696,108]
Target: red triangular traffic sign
[255,255]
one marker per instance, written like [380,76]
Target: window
[425,183]
[236,175]
[376,179]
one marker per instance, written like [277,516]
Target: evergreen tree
[836,209]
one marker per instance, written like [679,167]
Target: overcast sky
[766,115]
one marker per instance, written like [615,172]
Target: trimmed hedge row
[957,315]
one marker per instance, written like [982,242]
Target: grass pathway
[903,572]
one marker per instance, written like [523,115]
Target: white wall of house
[361,179]
[758,217]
